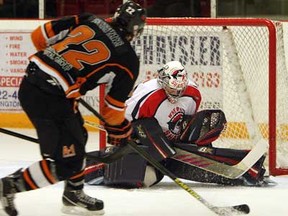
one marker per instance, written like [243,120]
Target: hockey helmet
[131,18]
[172,77]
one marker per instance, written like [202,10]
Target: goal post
[239,66]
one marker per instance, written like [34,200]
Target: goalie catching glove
[118,134]
[203,127]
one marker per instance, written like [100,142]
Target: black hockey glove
[119,134]
[203,127]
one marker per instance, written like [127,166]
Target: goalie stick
[225,170]
[224,211]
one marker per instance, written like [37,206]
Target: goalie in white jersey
[167,99]
[166,122]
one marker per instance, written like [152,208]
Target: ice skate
[259,179]
[7,194]
[76,202]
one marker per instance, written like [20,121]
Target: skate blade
[96,181]
[267,182]
[75,210]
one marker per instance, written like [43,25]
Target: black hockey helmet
[130,17]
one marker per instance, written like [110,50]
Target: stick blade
[232,210]
[244,208]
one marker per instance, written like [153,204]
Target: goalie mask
[172,77]
[130,18]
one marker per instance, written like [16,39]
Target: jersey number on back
[94,51]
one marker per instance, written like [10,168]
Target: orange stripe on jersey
[78,175]
[28,180]
[115,102]
[38,39]
[69,92]
[113,65]
[80,81]
[47,172]
[112,116]
[49,29]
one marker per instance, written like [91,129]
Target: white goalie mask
[172,77]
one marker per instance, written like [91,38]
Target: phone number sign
[9,86]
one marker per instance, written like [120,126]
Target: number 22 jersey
[82,52]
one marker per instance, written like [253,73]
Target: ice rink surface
[166,198]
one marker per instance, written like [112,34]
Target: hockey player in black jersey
[75,54]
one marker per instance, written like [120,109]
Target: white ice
[164,199]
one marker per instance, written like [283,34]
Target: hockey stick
[225,211]
[32,139]
[94,125]
[91,109]
[225,170]
[21,136]
[96,155]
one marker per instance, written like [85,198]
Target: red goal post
[239,66]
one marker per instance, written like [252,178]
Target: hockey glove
[203,127]
[119,134]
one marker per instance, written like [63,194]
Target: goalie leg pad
[149,133]
[127,172]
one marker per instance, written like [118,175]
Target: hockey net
[239,66]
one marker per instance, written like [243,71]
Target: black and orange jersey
[84,51]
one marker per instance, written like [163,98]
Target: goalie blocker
[132,171]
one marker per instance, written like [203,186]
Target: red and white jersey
[150,100]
